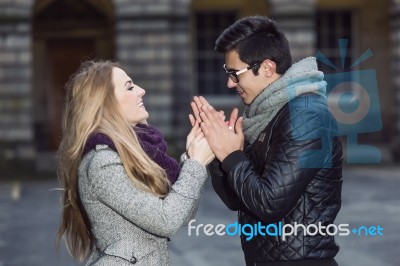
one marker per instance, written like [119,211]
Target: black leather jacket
[292,173]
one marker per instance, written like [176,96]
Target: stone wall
[152,41]
[16,131]
[395,70]
[296,19]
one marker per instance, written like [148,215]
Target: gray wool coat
[130,226]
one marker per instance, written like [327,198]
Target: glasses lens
[233,77]
[232,74]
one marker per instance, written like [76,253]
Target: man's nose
[230,84]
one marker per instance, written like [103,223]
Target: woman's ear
[268,67]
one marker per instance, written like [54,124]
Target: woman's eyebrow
[129,81]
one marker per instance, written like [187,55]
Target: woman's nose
[141,91]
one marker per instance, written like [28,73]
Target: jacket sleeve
[195,208]
[163,217]
[222,188]
[301,144]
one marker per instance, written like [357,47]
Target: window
[333,25]
[211,78]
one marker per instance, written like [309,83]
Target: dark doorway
[65,33]
[64,57]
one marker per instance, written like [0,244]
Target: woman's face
[129,97]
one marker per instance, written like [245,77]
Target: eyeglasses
[234,74]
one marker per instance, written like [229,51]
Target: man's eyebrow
[232,69]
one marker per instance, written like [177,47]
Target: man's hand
[196,105]
[220,137]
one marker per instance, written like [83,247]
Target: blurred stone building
[167,47]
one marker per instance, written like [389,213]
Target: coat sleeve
[301,146]
[163,217]
[222,188]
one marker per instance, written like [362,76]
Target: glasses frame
[234,74]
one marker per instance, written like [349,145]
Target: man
[288,169]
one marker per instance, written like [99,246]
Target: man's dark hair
[256,38]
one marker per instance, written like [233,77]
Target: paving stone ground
[29,216]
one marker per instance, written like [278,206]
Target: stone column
[16,125]
[395,41]
[296,19]
[182,63]
[152,41]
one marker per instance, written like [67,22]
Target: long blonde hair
[91,107]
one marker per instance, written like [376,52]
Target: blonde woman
[124,196]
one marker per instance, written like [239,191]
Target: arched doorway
[65,33]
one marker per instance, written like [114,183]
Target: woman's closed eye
[130,85]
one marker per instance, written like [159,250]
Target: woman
[123,196]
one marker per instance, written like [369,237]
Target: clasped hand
[197,146]
[223,137]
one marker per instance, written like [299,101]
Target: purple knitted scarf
[152,142]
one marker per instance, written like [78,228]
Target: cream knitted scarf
[302,77]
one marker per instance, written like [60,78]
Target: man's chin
[246,102]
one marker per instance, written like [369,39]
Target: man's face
[249,85]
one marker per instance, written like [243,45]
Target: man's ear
[268,67]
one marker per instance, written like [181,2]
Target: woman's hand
[200,151]
[193,133]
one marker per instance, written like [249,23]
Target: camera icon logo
[353,100]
